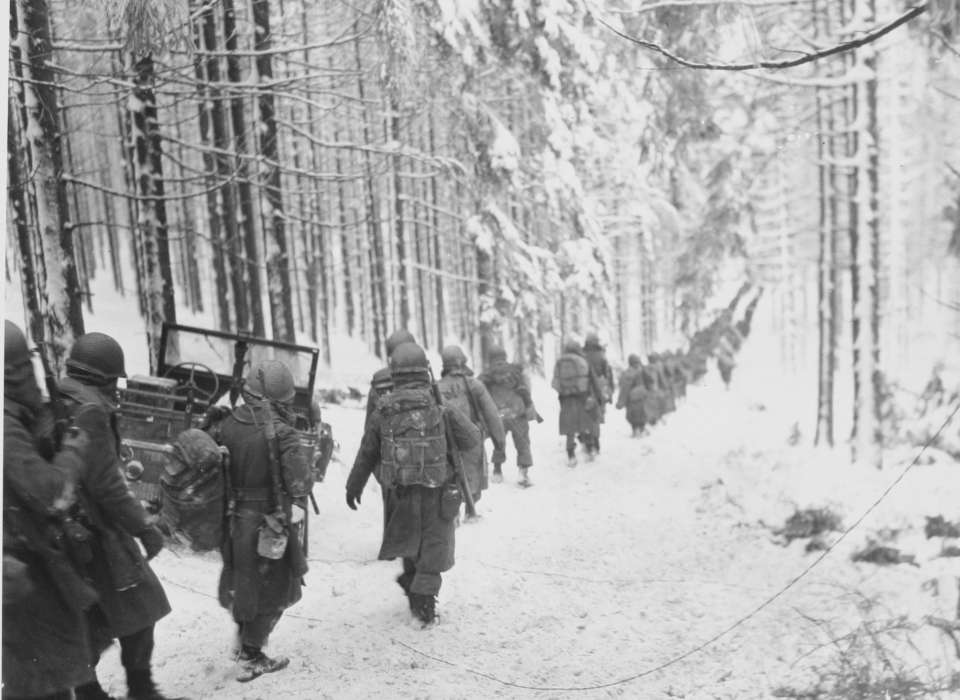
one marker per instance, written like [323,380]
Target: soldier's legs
[520,429]
[255,633]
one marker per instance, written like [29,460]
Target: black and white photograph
[458,349]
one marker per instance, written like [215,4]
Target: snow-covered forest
[515,172]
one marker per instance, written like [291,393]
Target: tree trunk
[246,251]
[60,300]
[278,265]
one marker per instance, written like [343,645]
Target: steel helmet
[408,358]
[16,354]
[571,345]
[96,357]
[592,340]
[453,357]
[497,354]
[397,338]
[634,360]
[270,379]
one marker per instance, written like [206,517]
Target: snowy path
[596,574]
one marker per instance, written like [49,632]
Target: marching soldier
[597,357]
[509,386]
[46,644]
[416,441]
[469,396]
[580,397]
[633,393]
[132,600]
[380,383]
[269,481]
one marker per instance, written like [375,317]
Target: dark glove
[531,413]
[499,455]
[152,541]
[353,500]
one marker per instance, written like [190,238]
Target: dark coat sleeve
[104,483]
[489,413]
[297,477]
[465,434]
[367,456]
[44,487]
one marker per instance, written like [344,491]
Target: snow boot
[525,478]
[497,476]
[571,461]
[91,691]
[404,580]
[254,663]
[424,607]
[141,686]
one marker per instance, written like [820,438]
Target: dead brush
[878,659]
[808,522]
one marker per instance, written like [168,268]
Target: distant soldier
[381,383]
[509,386]
[132,600]
[580,395]
[724,353]
[468,395]
[46,645]
[269,481]
[633,393]
[408,435]
[665,389]
[596,355]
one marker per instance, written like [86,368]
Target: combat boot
[497,476]
[404,580]
[141,686]
[254,663]
[525,478]
[424,607]
[91,691]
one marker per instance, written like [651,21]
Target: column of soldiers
[77,544]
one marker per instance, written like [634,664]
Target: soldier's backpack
[413,444]
[193,487]
[573,375]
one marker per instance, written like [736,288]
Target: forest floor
[611,578]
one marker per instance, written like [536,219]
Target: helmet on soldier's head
[592,340]
[409,358]
[497,354]
[397,338]
[634,360]
[270,379]
[96,358]
[16,354]
[653,357]
[453,357]
[571,345]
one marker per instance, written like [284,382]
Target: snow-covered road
[595,575]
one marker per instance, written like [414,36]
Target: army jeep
[196,370]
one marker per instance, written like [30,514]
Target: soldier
[580,397]
[596,355]
[665,395]
[509,386]
[269,481]
[408,432]
[724,353]
[132,600]
[469,396]
[380,383]
[633,393]
[46,645]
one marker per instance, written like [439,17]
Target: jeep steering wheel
[191,383]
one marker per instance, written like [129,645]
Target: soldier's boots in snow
[404,580]
[424,607]
[254,663]
[141,686]
[571,459]
[525,477]
[497,476]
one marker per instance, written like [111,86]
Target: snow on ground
[595,575]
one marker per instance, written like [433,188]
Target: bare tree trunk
[61,304]
[247,254]
[278,265]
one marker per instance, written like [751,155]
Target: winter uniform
[633,393]
[665,390]
[257,589]
[597,357]
[469,396]
[46,645]
[381,383]
[132,599]
[580,395]
[407,433]
[509,387]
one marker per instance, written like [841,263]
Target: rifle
[61,416]
[281,513]
[454,453]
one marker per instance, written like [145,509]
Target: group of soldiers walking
[77,544]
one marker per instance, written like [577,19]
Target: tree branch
[867,38]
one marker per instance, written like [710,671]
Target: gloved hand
[297,514]
[152,541]
[353,499]
[499,455]
[531,413]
